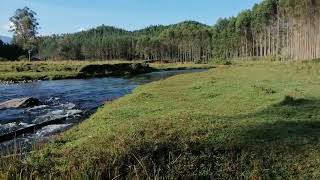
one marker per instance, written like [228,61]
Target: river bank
[250,120]
[24,72]
[29,111]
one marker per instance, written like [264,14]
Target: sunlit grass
[179,65]
[45,66]
[50,70]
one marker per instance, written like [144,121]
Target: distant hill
[6,39]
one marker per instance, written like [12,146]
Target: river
[68,101]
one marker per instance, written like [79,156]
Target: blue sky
[66,16]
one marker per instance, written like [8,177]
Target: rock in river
[20,103]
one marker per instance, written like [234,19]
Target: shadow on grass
[280,141]
[288,119]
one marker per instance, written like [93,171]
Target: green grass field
[168,66]
[52,70]
[250,120]
[49,70]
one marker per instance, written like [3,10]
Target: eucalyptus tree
[243,25]
[25,27]
[285,29]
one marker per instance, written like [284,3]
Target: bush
[23,58]
[3,59]
[220,62]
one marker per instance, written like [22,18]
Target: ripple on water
[51,129]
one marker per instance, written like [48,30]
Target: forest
[277,29]
[281,29]
[186,41]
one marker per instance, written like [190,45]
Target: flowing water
[67,102]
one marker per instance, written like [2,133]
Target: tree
[25,28]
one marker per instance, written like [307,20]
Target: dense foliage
[10,52]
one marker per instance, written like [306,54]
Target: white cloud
[7,26]
[82,29]
[4,29]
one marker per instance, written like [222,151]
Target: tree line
[10,51]
[186,41]
[280,29]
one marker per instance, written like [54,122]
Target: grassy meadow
[52,70]
[168,66]
[252,120]
[48,70]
